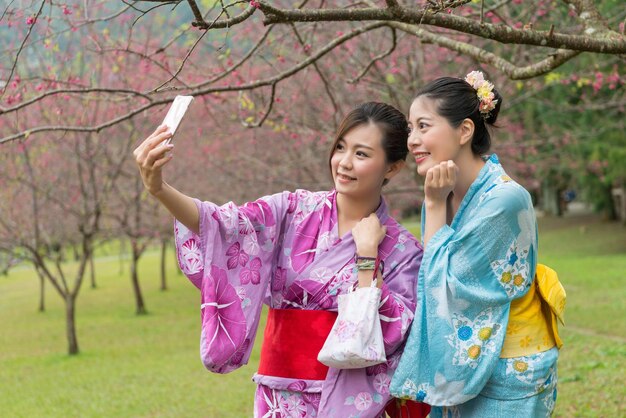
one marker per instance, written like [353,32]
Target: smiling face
[359,164]
[432,139]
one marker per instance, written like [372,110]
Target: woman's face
[432,139]
[358,163]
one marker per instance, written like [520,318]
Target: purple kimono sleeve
[398,299]
[230,261]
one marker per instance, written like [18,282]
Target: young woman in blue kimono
[483,342]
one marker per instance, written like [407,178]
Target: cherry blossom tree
[277,40]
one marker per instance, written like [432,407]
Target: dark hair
[457,100]
[391,122]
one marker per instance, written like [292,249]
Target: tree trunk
[70,320]
[163,253]
[122,253]
[611,209]
[551,201]
[92,271]
[141,307]
[42,291]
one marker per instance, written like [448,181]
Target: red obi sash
[400,408]
[291,342]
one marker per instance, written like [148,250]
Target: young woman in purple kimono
[295,251]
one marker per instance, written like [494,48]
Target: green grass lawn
[149,366]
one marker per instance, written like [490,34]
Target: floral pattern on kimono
[471,271]
[284,250]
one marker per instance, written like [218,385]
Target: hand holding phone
[176,113]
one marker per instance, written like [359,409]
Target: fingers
[436,174]
[162,161]
[156,154]
[157,137]
[451,170]
[442,174]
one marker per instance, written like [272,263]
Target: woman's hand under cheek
[440,181]
[368,233]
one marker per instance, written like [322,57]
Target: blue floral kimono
[470,273]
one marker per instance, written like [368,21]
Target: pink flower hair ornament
[484,91]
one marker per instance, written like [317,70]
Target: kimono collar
[492,165]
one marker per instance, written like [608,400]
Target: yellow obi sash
[533,326]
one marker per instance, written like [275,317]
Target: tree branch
[610,43]
[72,91]
[203,24]
[512,71]
[21,48]
[376,58]
[205,90]
[266,112]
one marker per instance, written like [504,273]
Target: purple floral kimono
[284,250]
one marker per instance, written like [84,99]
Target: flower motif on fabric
[308,203]
[245,225]
[401,244]
[227,215]
[473,339]
[293,406]
[362,401]
[224,322]
[381,383]
[293,202]
[345,330]
[411,391]
[321,274]
[376,369]
[269,401]
[251,244]
[243,297]
[548,381]
[408,390]
[513,270]
[346,275]
[191,257]
[280,279]
[550,392]
[371,352]
[252,273]
[523,368]
[236,256]
[324,242]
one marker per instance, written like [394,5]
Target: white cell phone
[176,113]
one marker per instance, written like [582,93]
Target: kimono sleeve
[230,261]
[397,305]
[469,277]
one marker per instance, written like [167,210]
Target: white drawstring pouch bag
[356,339]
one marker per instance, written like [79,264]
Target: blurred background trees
[82,83]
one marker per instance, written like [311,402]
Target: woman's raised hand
[367,234]
[440,181]
[151,156]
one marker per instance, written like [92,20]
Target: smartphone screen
[176,112]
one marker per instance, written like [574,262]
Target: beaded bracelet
[369,263]
[365,264]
